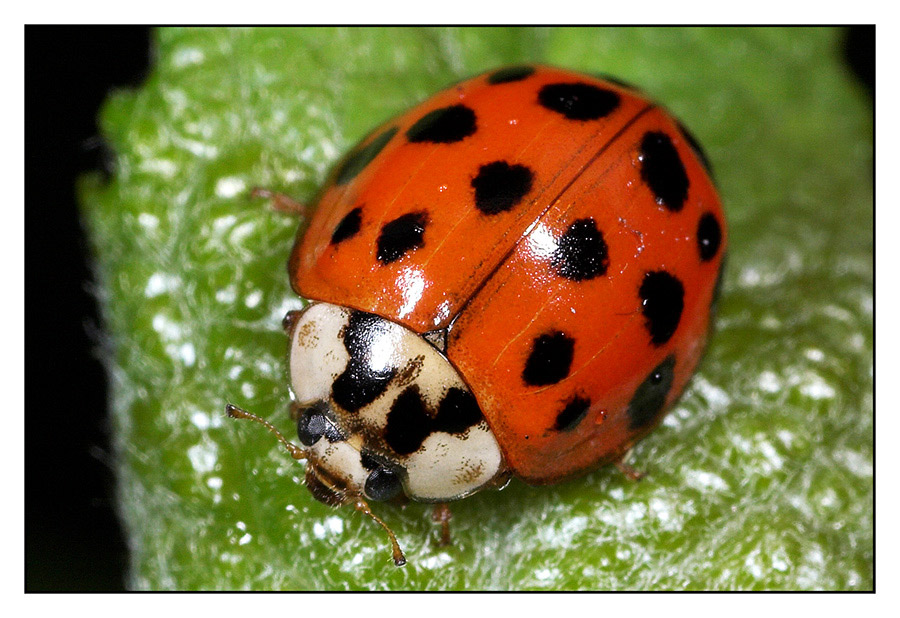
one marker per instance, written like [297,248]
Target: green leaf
[760,478]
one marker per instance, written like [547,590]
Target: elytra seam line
[508,254]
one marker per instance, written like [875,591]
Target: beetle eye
[382,485]
[310,427]
[313,424]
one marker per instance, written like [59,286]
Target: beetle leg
[628,471]
[442,515]
[280,202]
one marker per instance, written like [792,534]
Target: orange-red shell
[496,277]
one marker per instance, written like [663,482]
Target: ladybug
[513,278]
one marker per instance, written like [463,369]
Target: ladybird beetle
[513,278]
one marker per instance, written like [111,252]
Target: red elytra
[560,230]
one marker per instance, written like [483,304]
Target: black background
[72,536]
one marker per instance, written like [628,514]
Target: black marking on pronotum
[662,296]
[650,397]
[361,156]
[499,186]
[510,74]
[348,227]
[443,126]
[313,424]
[578,101]
[362,330]
[360,384]
[709,236]
[457,411]
[403,234]
[663,171]
[581,252]
[550,359]
[571,415]
[410,421]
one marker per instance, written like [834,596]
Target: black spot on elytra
[313,424]
[709,236]
[663,171]
[581,252]
[360,384]
[550,359]
[443,126]
[574,412]
[650,397]
[663,301]
[361,156]
[499,186]
[409,422]
[510,74]
[348,227]
[403,234]
[696,147]
[578,101]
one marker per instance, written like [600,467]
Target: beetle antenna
[363,507]
[295,451]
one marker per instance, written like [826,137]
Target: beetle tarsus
[628,471]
